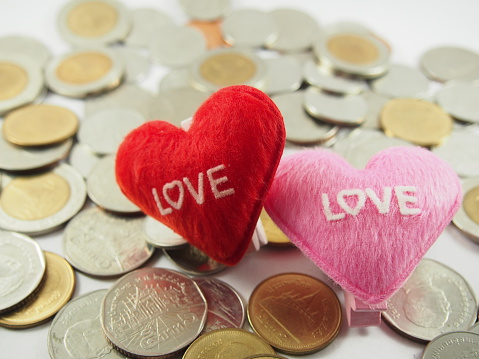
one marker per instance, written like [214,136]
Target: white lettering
[199,195]
[330,216]
[348,193]
[382,206]
[181,194]
[163,211]
[215,182]
[403,199]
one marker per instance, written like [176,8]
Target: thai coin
[39,125]
[93,23]
[76,330]
[83,159]
[23,82]
[420,122]
[402,81]
[284,75]
[175,79]
[146,23]
[265,356]
[474,328]
[193,261]
[458,344]
[447,63]
[103,189]
[84,72]
[211,31]
[300,128]
[103,244]
[153,312]
[375,104]
[54,292]
[22,264]
[459,150]
[467,217]
[27,46]
[136,64]
[225,306]
[460,99]
[105,130]
[231,343]
[206,10]
[434,300]
[295,313]
[274,235]
[162,236]
[37,204]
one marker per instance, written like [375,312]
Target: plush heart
[366,229]
[209,183]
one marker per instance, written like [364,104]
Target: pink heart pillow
[366,229]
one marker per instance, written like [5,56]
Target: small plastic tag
[259,238]
[360,314]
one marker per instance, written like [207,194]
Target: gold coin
[471,204]
[228,343]
[228,69]
[55,291]
[92,19]
[420,122]
[273,233]
[35,197]
[295,313]
[353,49]
[211,30]
[84,68]
[13,80]
[39,125]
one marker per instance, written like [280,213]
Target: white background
[410,26]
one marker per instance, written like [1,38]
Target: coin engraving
[13,79]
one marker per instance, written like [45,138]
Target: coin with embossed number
[467,217]
[153,312]
[434,300]
[193,261]
[458,344]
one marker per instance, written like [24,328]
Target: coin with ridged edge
[458,344]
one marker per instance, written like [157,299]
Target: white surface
[410,26]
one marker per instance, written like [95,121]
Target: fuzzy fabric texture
[209,183]
[366,229]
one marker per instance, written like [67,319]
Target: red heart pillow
[208,183]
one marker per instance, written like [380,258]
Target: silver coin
[83,159]
[137,65]
[126,96]
[474,328]
[25,80]
[434,300]
[176,105]
[460,99]
[459,344]
[461,151]
[331,49]
[76,330]
[105,130]
[82,83]
[146,23]
[162,236]
[102,244]
[28,46]
[402,81]
[191,260]
[300,128]
[375,104]
[297,30]
[22,265]
[284,75]
[447,63]
[462,219]
[206,10]
[225,306]
[22,159]
[325,79]
[165,305]
[93,23]
[177,46]
[301,57]
[33,220]
[337,110]
[250,28]
[103,189]
[175,79]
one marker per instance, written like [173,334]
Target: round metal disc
[206,10]
[466,217]
[284,75]
[28,46]
[146,23]
[402,81]
[460,99]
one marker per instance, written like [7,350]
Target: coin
[28,46]
[37,204]
[466,218]
[434,300]
[420,122]
[55,291]
[39,125]
[273,233]
[231,343]
[402,81]
[102,244]
[76,330]
[136,64]
[146,23]
[284,75]
[206,10]
[452,345]
[22,264]
[460,99]
[474,328]
[153,312]
[295,313]
[211,30]
[103,189]
[193,261]
[265,356]
[93,23]
[445,63]
[375,104]
[84,72]
[175,79]
[162,236]
[21,81]
[83,159]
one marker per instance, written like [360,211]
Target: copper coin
[211,30]
[295,313]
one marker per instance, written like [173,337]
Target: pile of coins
[335,87]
